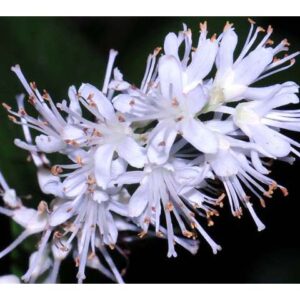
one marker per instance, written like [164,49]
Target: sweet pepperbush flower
[158,159]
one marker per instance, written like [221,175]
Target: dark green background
[59,52]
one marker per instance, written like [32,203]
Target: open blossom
[234,77]
[145,161]
[170,189]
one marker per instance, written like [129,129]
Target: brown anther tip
[96,133]
[57,235]
[12,118]
[132,102]
[56,170]
[210,223]
[203,26]
[45,95]
[194,49]
[79,160]
[260,29]
[43,207]
[169,206]
[293,61]
[91,255]
[6,106]
[270,29]
[187,234]
[32,99]
[159,234]
[33,85]
[193,225]
[262,202]
[285,42]
[142,234]
[269,42]
[156,51]
[71,142]
[227,26]
[112,246]
[77,261]
[214,37]
[284,191]
[267,194]
[251,21]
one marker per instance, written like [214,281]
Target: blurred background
[59,52]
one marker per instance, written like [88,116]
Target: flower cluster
[158,159]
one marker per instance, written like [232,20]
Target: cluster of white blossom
[154,159]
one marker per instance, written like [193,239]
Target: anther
[251,21]
[56,170]
[33,85]
[203,26]
[6,106]
[214,37]
[142,234]
[169,206]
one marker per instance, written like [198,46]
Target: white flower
[169,189]
[174,109]
[233,78]
[9,279]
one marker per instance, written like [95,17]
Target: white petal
[261,93]
[223,163]
[104,106]
[224,59]
[270,140]
[11,199]
[122,103]
[131,177]
[49,184]
[160,143]
[118,167]
[170,77]
[196,100]
[138,201]
[252,65]
[202,62]
[49,144]
[71,132]
[63,213]
[193,196]
[41,266]
[9,279]
[74,103]
[132,152]
[100,196]
[111,235]
[74,184]
[103,160]
[30,219]
[199,136]
[171,45]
